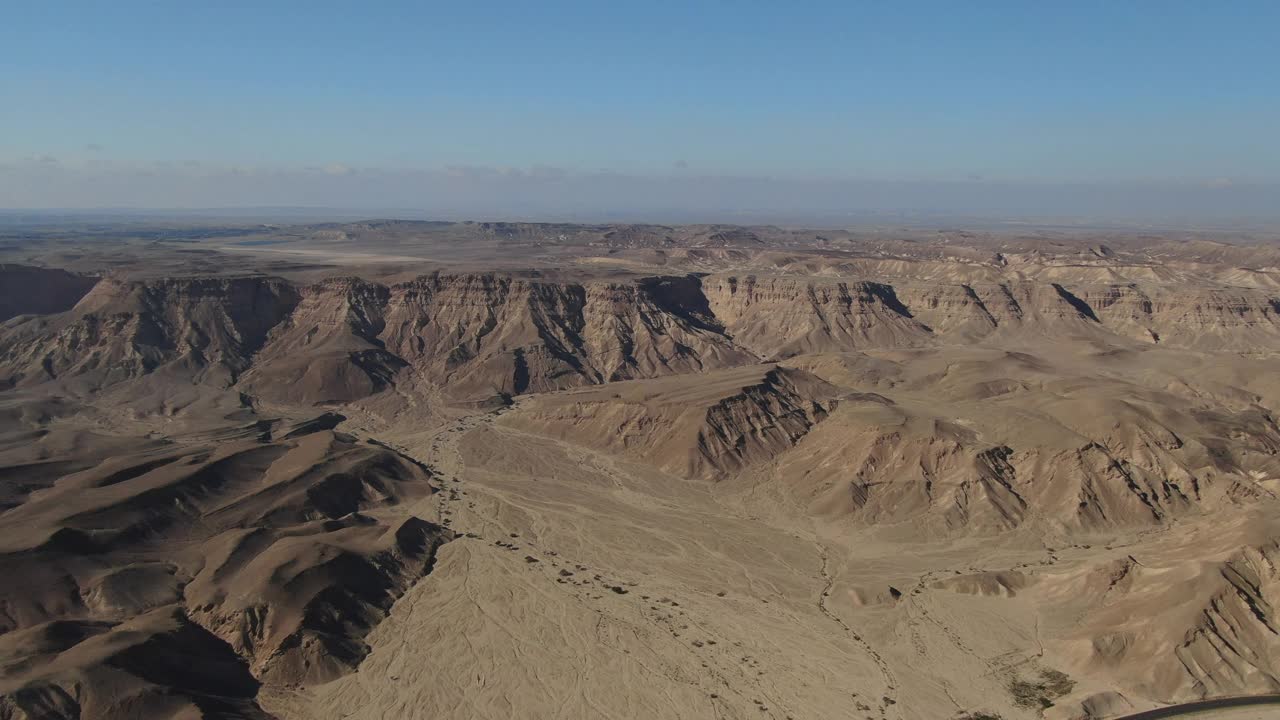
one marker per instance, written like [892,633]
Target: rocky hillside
[188,574]
[207,329]
[981,440]
[731,419]
[486,334]
[781,317]
[479,336]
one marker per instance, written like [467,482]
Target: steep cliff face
[475,336]
[486,334]
[967,312]
[26,290]
[657,327]
[478,336]
[952,312]
[208,328]
[779,317]
[1193,317]
[731,420]
[1190,316]
[789,316]
[328,349]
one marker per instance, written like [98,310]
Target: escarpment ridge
[488,335]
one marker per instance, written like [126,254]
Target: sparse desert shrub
[1057,682]
[1052,685]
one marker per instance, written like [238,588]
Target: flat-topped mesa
[791,315]
[483,335]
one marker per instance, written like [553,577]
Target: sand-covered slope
[178,579]
[711,427]
[1188,618]
[957,441]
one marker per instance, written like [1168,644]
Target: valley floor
[582,586]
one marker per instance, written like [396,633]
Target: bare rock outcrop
[777,317]
[730,420]
[207,329]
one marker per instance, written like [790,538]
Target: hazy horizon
[609,197]
[570,110]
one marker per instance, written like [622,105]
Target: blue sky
[1097,93]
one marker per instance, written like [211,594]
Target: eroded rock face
[328,349]
[912,468]
[732,420]
[780,317]
[1193,317]
[1079,464]
[204,328]
[484,335]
